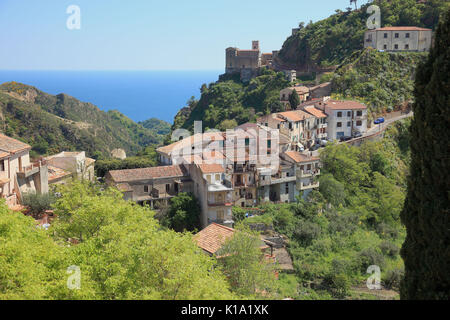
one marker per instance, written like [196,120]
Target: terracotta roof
[4,154]
[147,173]
[301,89]
[55,174]
[344,105]
[402,29]
[315,112]
[124,187]
[295,115]
[213,237]
[211,168]
[12,145]
[298,157]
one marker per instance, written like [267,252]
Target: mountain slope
[54,123]
[329,41]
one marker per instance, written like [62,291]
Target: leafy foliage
[183,213]
[426,211]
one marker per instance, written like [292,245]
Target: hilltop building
[399,39]
[246,62]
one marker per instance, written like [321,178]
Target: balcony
[308,185]
[30,170]
[224,185]
[308,173]
[279,179]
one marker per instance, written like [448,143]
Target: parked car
[323,143]
[357,134]
[345,138]
[315,147]
[379,120]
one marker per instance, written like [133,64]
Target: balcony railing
[308,173]
[31,169]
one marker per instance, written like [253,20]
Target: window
[145,188]
[406,46]
[359,113]
[385,47]
[339,124]
[287,174]
[396,47]
[407,35]
[349,123]
[339,114]
[269,144]
[247,141]
[349,114]
[287,187]
[208,177]
[359,123]
[167,187]
[220,215]
[2,165]
[20,163]
[385,35]
[217,177]
[397,35]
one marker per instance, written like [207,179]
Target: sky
[146,34]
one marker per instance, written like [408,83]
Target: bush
[306,232]
[338,285]
[38,203]
[393,278]
[369,257]
[390,249]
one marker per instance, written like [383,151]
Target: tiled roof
[12,145]
[301,90]
[315,112]
[402,29]
[213,237]
[298,157]
[344,105]
[296,115]
[147,173]
[55,174]
[211,168]
[4,154]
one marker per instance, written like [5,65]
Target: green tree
[426,213]
[183,213]
[248,270]
[294,99]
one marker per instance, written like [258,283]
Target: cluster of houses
[266,161]
[19,175]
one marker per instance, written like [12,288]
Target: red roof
[344,105]
[211,168]
[402,29]
[213,237]
[299,158]
[147,173]
[11,145]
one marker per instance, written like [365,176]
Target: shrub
[393,278]
[38,203]
[390,249]
[306,232]
[369,257]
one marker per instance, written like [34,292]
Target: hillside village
[279,170]
[274,160]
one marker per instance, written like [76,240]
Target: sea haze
[139,95]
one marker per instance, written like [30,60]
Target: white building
[344,118]
[399,39]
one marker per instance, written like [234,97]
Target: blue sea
[139,95]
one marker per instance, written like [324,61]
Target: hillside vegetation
[51,124]
[330,41]
[382,80]
[229,102]
[351,223]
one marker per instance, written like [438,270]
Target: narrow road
[376,128]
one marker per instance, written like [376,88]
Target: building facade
[399,39]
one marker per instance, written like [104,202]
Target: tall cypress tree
[426,214]
[294,100]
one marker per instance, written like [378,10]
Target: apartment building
[344,117]
[67,165]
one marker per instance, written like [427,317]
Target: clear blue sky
[146,34]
